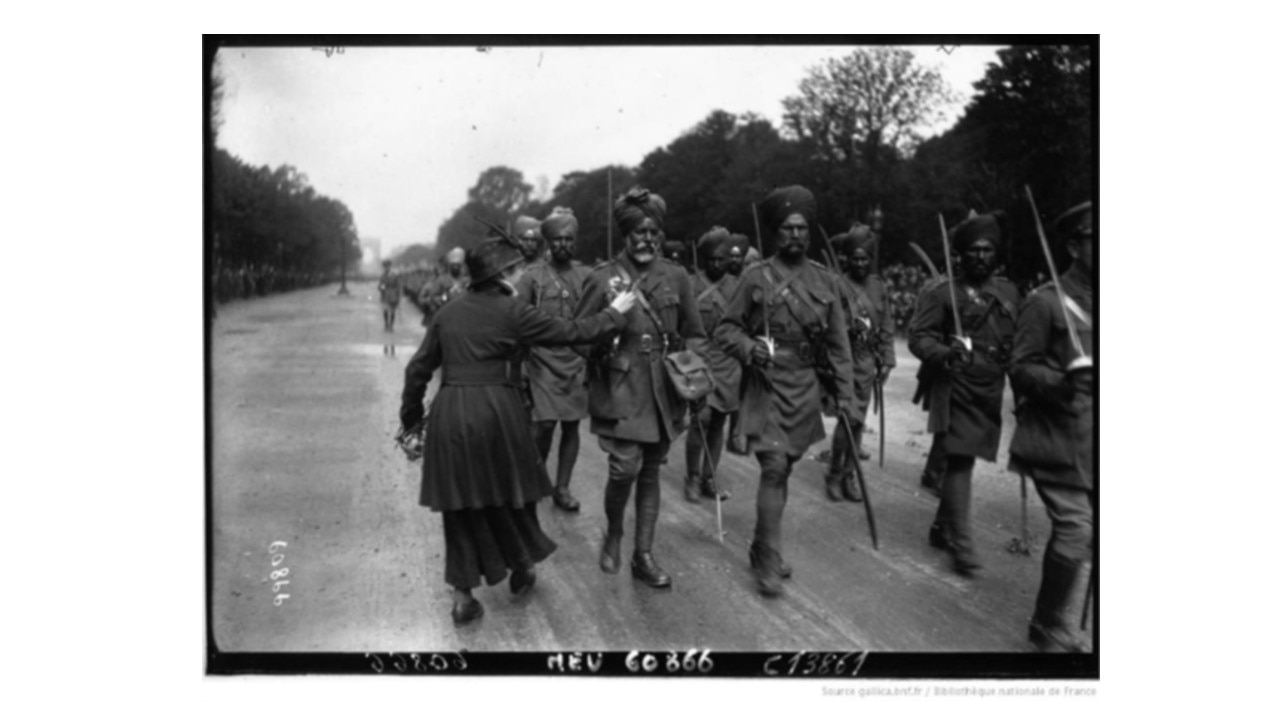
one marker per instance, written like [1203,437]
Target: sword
[951,285]
[715,486]
[933,269]
[1057,284]
[768,338]
[862,481]
[880,401]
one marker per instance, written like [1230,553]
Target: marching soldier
[712,287]
[871,342]
[1053,442]
[635,411]
[968,366]
[785,323]
[389,291]
[557,376]
[438,292]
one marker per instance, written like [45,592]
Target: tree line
[852,133]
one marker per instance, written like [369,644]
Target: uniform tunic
[557,375]
[713,301]
[871,325]
[389,289]
[1053,441]
[629,396]
[781,407]
[437,293]
[965,400]
[479,449]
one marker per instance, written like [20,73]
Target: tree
[499,195]
[874,98]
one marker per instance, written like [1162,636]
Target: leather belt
[485,372]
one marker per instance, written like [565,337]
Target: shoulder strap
[802,297]
[644,303]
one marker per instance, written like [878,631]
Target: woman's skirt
[488,543]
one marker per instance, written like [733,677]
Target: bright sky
[400,134]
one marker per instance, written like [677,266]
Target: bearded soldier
[389,293]
[1053,443]
[785,322]
[712,286]
[968,374]
[438,292]
[870,323]
[557,376]
[635,411]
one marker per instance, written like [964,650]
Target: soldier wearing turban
[557,376]
[528,233]
[785,323]
[968,373]
[635,410]
[870,326]
[435,294]
[1053,442]
[712,288]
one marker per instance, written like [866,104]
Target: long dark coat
[965,400]
[713,301]
[629,396]
[479,447]
[1053,441]
[557,375]
[781,407]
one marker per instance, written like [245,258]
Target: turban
[455,255]
[978,227]
[558,222]
[712,239]
[631,209]
[671,249]
[525,225]
[1076,222]
[752,256]
[782,202]
[738,243]
[488,259]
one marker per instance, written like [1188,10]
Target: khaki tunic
[557,376]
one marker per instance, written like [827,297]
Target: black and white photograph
[732,357]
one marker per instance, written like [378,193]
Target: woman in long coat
[481,468]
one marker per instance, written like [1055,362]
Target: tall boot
[838,466]
[692,488]
[857,444]
[643,566]
[1058,607]
[953,511]
[616,495]
[848,484]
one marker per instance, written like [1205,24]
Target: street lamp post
[343,245]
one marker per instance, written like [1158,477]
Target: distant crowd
[257,280]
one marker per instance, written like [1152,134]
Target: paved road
[305,396]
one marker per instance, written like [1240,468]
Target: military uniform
[965,398]
[1054,440]
[635,412]
[781,411]
[705,440]
[437,293]
[557,375]
[389,292]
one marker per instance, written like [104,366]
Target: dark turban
[712,239]
[524,224]
[631,209]
[859,237]
[560,220]
[488,259]
[978,227]
[1076,222]
[782,202]
[739,242]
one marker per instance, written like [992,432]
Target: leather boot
[616,495]
[1053,626]
[784,570]
[710,488]
[857,445]
[835,487]
[850,489]
[643,566]
[691,490]
[765,564]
